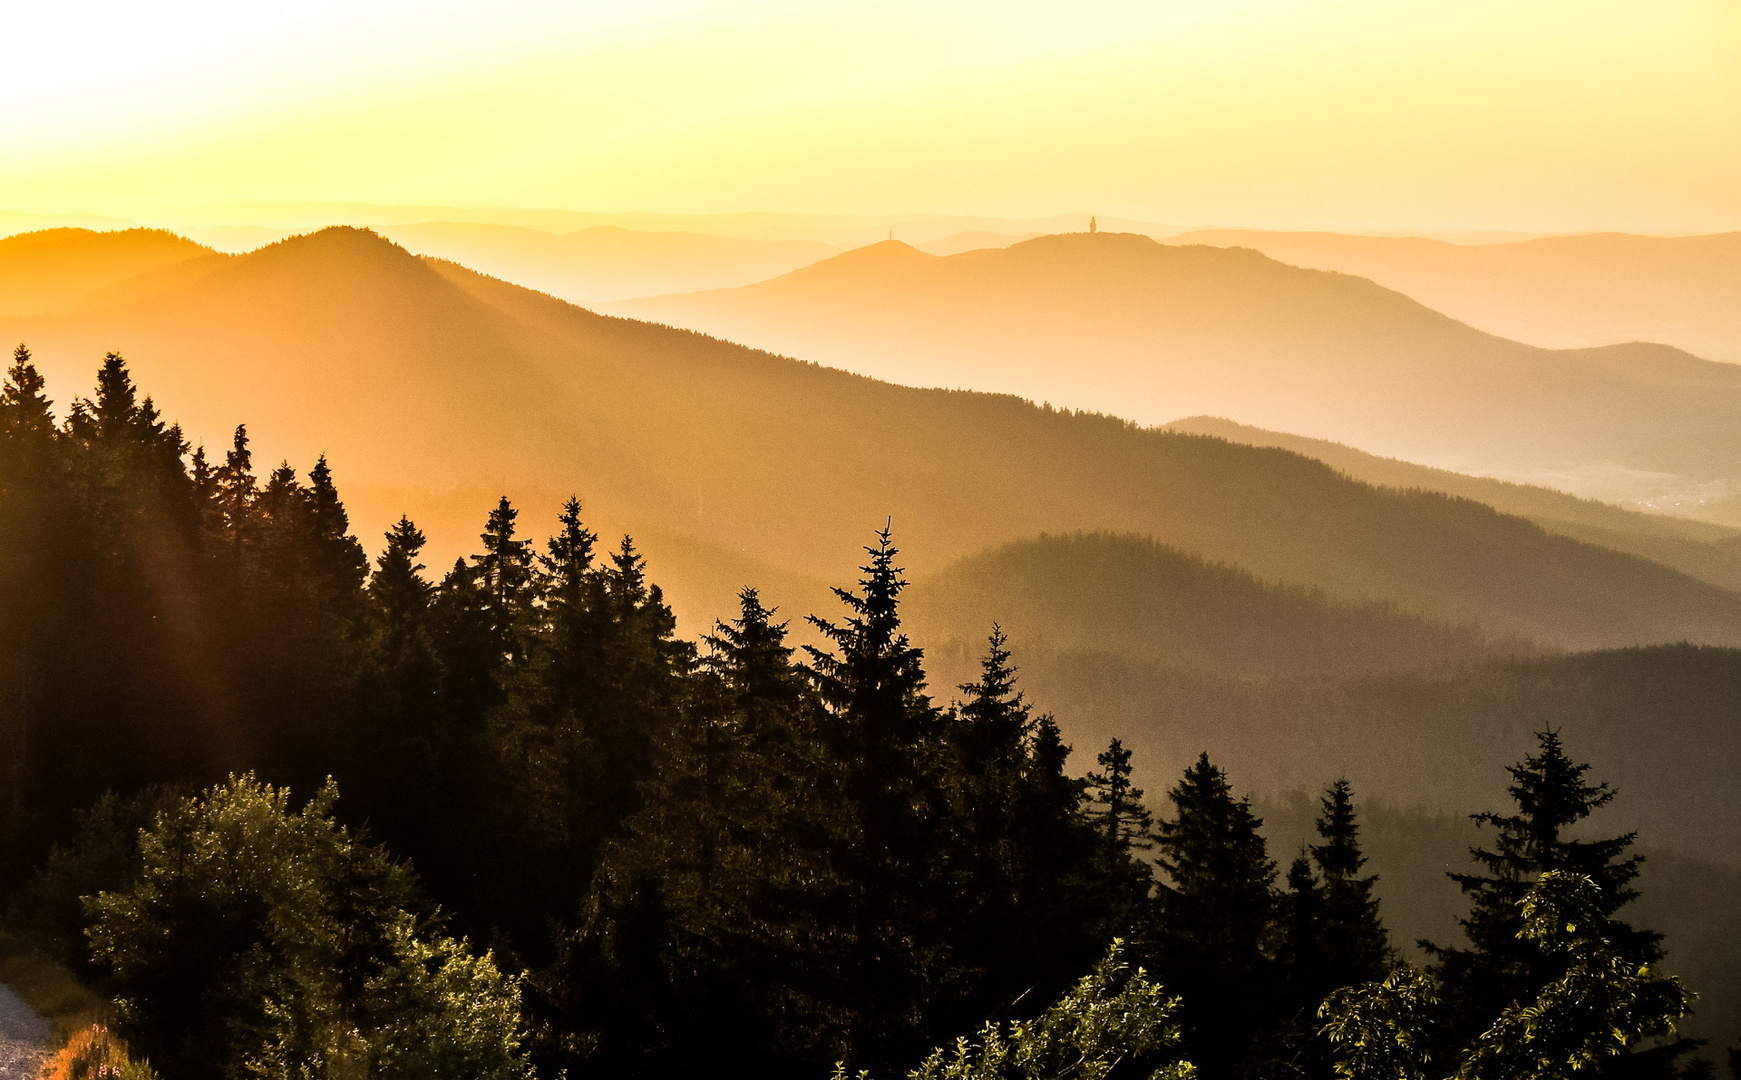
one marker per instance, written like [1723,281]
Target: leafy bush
[1111,1015]
[1601,1004]
[261,942]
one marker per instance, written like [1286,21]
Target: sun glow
[1354,114]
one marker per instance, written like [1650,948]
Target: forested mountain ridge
[1129,596]
[1554,291]
[52,269]
[694,845]
[1702,549]
[436,389]
[1151,331]
[1659,723]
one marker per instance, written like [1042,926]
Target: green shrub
[261,942]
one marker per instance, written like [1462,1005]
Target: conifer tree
[988,734]
[1032,892]
[464,632]
[886,735]
[1332,935]
[338,559]
[24,406]
[596,682]
[1499,965]
[1116,805]
[1355,947]
[110,418]
[398,743]
[1212,919]
[504,575]
[33,525]
[720,881]
[234,492]
[400,593]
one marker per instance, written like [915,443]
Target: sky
[1361,115]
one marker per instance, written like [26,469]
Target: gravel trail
[23,1037]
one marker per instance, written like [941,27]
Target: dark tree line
[723,849]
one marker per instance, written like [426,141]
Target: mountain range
[1553,291]
[433,390]
[1152,331]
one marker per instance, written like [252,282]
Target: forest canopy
[299,813]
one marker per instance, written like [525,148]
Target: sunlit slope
[1556,291]
[1704,550]
[1129,596]
[434,390]
[1119,322]
[52,268]
[606,262]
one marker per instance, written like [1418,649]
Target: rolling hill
[1699,548]
[1657,723]
[1129,596]
[1122,323]
[52,269]
[1554,291]
[434,389]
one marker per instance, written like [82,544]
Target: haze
[483,411]
[1356,115]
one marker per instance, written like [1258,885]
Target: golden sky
[1539,115]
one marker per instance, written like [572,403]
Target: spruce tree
[338,560]
[24,407]
[504,574]
[988,734]
[719,884]
[400,593]
[1355,948]
[33,547]
[234,492]
[886,735]
[1499,965]
[1033,896]
[1331,933]
[1212,920]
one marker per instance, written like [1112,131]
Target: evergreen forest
[292,811]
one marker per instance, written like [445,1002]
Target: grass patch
[49,989]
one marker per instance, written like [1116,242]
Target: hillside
[50,269]
[1121,323]
[1434,739]
[1128,595]
[606,262]
[1554,291]
[1700,549]
[434,390]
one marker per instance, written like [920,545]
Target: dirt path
[23,1037]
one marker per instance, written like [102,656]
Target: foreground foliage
[1601,1004]
[692,852]
[264,942]
[95,1053]
[1112,1015]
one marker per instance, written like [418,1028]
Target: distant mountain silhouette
[1129,596]
[1555,291]
[607,262]
[434,390]
[51,269]
[1707,551]
[1121,323]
